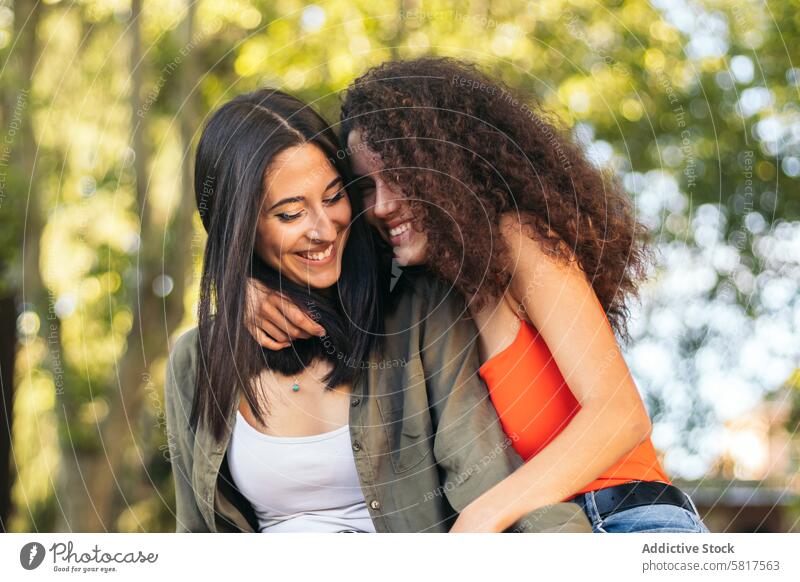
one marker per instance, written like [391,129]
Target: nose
[386,202]
[322,228]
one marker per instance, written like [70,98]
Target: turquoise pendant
[296,388]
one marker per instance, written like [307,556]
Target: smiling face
[305,217]
[385,206]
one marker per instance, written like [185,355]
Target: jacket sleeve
[470,446]
[178,391]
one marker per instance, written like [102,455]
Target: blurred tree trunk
[401,31]
[16,106]
[8,341]
[154,317]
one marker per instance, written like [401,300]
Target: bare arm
[612,419]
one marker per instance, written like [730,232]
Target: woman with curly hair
[458,174]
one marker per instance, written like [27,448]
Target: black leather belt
[636,494]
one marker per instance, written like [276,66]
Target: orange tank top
[534,404]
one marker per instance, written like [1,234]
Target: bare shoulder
[521,233]
[536,259]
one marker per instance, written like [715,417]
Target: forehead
[298,171]
[363,159]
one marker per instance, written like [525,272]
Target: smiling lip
[400,233]
[320,262]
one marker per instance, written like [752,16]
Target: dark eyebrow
[286,201]
[333,182]
[292,199]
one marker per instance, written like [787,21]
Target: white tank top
[299,484]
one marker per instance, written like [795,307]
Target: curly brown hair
[467,150]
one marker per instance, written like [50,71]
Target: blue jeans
[646,519]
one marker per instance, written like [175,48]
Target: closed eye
[335,198]
[365,184]
[286,217]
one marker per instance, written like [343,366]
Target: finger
[298,317]
[276,316]
[273,331]
[302,321]
[269,343]
[264,340]
[293,330]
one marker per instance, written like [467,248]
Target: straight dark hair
[235,150]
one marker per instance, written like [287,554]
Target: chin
[402,259]
[323,280]
[409,256]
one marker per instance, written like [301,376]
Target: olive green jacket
[425,436]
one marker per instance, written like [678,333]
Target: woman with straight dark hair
[299,238]
[335,433]
[239,143]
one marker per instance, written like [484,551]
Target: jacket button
[356,446]
[375,504]
[355,401]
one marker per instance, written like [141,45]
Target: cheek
[368,203]
[369,214]
[419,246]
[342,213]
[390,192]
[271,242]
